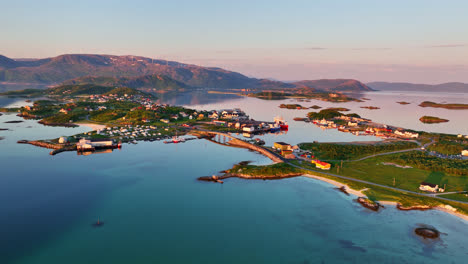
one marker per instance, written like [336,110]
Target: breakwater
[235,142]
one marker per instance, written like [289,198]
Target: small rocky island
[446,106]
[432,120]
[427,232]
[370,107]
[292,106]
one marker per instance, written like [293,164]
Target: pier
[230,141]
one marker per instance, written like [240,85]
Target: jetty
[231,141]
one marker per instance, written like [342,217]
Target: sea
[153,209]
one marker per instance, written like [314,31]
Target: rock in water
[427,232]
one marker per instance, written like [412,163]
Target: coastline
[90,125]
[359,193]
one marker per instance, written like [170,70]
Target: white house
[428,187]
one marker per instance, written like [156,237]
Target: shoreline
[359,193]
[90,125]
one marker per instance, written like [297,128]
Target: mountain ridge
[72,66]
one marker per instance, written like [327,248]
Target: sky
[421,41]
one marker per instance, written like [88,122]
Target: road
[392,152]
[380,185]
[435,196]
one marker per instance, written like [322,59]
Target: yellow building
[321,165]
[281,146]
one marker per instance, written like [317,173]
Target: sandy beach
[359,193]
[92,126]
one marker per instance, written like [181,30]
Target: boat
[282,124]
[177,140]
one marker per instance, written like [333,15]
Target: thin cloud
[362,48]
[371,48]
[448,46]
[316,48]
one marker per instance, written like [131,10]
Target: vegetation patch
[349,151]
[277,170]
[432,120]
[292,106]
[446,106]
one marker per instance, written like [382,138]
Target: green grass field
[374,170]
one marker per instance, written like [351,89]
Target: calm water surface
[155,211]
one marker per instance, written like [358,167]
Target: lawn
[374,170]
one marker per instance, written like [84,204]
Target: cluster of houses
[129,131]
[355,125]
[228,114]
[406,134]
[147,102]
[237,119]
[287,151]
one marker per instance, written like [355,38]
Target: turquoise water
[155,211]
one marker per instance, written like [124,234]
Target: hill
[334,85]
[134,71]
[71,66]
[155,81]
[452,87]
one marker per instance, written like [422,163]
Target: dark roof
[429,184]
[282,143]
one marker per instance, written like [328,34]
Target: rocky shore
[369,204]
[41,144]
[247,176]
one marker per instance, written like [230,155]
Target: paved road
[436,194]
[392,152]
[379,185]
[362,181]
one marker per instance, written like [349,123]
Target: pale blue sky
[407,40]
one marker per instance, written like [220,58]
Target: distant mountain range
[453,87]
[335,85]
[138,72]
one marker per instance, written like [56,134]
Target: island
[403,103]
[292,106]
[370,107]
[446,106]
[432,120]
[303,94]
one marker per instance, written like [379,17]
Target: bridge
[230,141]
